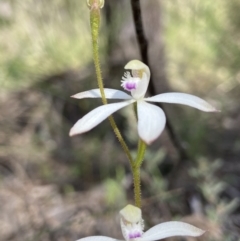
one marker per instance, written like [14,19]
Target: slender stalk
[135,164]
[135,110]
[137,186]
[136,168]
[95,26]
[141,152]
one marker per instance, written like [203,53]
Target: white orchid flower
[132,228]
[151,118]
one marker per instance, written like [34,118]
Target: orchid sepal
[96,116]
[171,229]
[98,238]
[183,99]
[109,94]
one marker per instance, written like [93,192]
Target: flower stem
[136,168]
[137,185]
[95,26]
[141,153]
[135,165]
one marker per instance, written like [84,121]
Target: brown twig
[143,45]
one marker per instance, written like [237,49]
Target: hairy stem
[137,185]
[141,152]
[95,26]
[136,168]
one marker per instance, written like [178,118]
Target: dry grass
[56,188]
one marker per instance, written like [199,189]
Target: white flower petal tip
[96,116]
[109,94]
[97,238]
[74,132]
[208,107]
[217,110]
[151,121]
[171,229]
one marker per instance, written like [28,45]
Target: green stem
[141,153]
[137,186]
[135,165]
[95,26]
[141,144]
[136,168]
[135,110]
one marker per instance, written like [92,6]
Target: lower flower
[132,226]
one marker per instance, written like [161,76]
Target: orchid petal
[109,94]
[141,89]
[96,116]
[184,99]
[151,121]
[97,238]
[170,229]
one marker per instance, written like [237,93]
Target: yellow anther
[138,73]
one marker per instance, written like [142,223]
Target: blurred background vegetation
[53,187]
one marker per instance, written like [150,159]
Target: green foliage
[115,194]
[211,187]
[198,39]
[42,38]
[152,167]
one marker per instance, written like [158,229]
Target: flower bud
[95,4]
